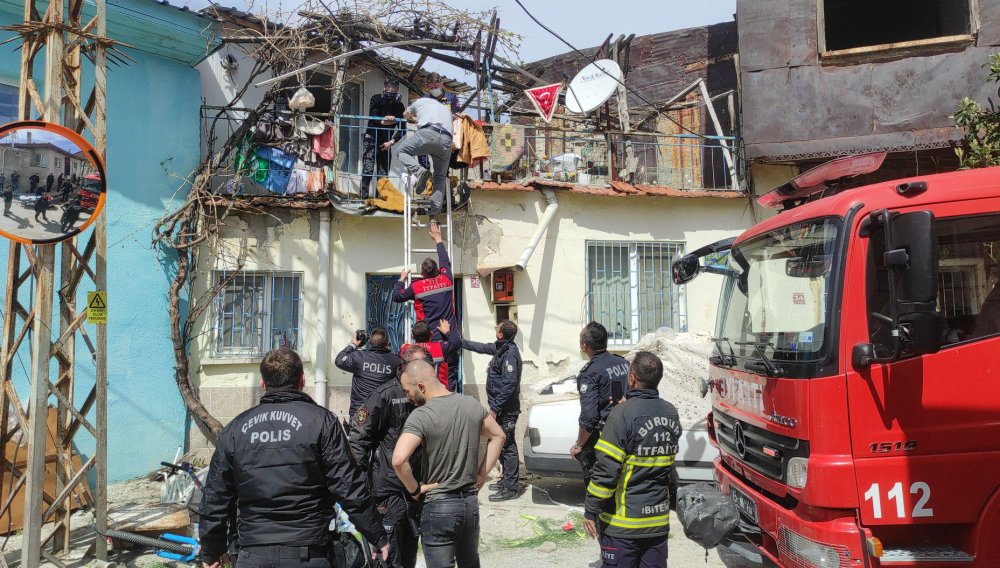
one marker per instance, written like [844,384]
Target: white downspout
[547,216]
[323,309]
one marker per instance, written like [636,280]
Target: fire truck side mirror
[915,247]
[911,257]
[685,269]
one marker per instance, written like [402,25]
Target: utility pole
[60,36]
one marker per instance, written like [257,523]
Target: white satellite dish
[593,85]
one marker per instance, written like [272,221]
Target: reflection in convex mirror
[52,182]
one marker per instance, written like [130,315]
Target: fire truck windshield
[776,298]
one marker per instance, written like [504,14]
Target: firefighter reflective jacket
[433,298]
[629,490]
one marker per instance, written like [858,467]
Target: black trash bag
[707,515]
[348,552]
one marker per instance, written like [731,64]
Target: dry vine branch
[316,30]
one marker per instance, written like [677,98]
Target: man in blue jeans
[449,426]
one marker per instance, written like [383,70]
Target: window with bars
[255,312]
[630,291]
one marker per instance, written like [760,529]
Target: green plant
[981,147]
[547,530]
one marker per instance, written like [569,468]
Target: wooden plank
[16,344]
[70,487]
[416,67]
[151,517]
[8,348]
[41,347]
[76,414]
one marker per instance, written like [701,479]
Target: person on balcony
[435,90]
[433,137]
[382,133]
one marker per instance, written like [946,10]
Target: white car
[553,427]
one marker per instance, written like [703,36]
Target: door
[381,311]
[924,430]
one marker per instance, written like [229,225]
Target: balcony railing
[520,152]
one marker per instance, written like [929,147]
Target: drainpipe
[323,309]
[547,216]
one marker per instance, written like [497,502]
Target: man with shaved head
[449,427]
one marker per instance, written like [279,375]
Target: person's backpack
[707,515]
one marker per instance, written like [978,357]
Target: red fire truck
[90,192]
[856,377]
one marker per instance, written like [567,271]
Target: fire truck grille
[756,447]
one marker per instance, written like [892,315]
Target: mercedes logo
[741,442]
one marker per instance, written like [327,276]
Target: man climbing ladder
[433,137]
[433,295]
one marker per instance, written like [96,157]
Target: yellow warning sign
[97,307]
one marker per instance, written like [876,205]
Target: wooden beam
[416,68]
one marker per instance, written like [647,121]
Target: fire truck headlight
[809,553]
[797,472]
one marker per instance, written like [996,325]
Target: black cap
[390,82]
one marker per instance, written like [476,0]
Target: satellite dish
[593,85]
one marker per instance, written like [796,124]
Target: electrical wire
[616,79]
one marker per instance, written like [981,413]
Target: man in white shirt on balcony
[433,137]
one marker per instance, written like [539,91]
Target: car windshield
[776,298]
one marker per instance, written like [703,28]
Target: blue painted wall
[153,142]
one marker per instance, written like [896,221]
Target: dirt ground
[522,532]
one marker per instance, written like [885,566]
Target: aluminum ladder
[409,195]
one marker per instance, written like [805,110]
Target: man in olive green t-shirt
[450,427]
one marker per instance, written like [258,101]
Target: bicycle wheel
[150,542]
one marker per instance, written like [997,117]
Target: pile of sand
[685,364]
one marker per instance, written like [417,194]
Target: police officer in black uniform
[503,392]
[372,367]
[283,465]
[374,430]
[638,444]
[595,385]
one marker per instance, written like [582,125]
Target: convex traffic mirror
[52,182]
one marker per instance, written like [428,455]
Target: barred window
[255,312]
[630,291]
